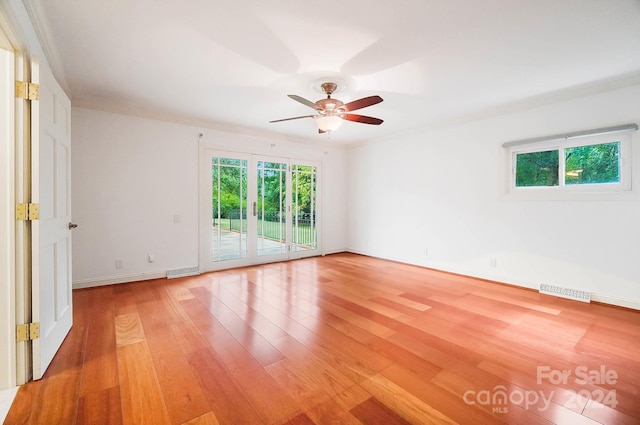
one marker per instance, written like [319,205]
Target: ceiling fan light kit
[328,123]
[332,112]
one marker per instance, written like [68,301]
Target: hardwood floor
[338,339]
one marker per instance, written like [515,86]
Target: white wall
[437,190]
[131,175]
[440,191]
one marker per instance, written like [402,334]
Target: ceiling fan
[331,112]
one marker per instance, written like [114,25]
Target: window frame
[624,155]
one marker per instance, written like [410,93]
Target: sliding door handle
[255,209]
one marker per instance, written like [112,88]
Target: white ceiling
[231,63]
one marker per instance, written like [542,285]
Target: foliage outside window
[537,169]
[229,188]
[592,163]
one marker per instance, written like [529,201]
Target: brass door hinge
[27,332]
[34,212]
[29,91]
[27,212]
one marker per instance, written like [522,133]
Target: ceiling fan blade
[293,118]
[361,103]
[304,101]
[361,118]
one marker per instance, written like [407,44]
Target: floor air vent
[572,294]
[187,271]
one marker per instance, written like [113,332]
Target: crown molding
[36,11]
[619,82]
[155,115]
[593,88]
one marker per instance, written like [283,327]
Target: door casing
[7,214]
[16,287]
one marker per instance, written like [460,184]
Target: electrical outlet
[493,262]
[426,252]
[151,258]
[118,263]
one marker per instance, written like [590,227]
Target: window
[575,162]
[592,164]
[537,168]
[584,164]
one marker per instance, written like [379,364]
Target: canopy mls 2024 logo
[500,397]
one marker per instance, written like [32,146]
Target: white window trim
[626,189]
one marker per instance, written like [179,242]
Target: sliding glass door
[304,209]
[227,208]
[257,209]
[271,209]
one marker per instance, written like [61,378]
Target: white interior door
[51,235]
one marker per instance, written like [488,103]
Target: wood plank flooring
[341,339]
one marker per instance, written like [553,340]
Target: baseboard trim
[334,251]
[619,302]
[90,283]
[598,298]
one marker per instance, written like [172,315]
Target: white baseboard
[605,299]
[90,283]
[620,302]
[334,251]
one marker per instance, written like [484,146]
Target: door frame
[205,153]
[16,357]
[7,214]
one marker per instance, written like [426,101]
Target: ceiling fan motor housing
[329,105]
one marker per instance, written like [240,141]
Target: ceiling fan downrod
[329,88]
